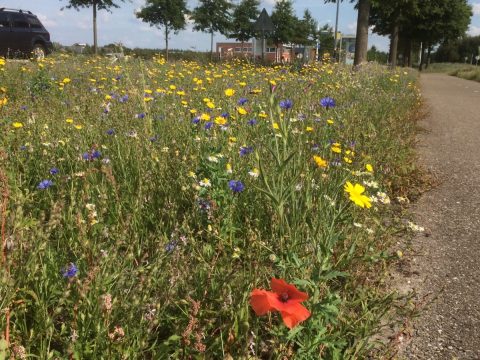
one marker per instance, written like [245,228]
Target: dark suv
[22,34]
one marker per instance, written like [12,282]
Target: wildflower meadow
[184,210]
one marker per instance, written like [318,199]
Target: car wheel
[38,52]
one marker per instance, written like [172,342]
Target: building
[253,50]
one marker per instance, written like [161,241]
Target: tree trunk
[211,45]
[95,45]
[361,42]
[422,57]
[409,53]
[166,43]
[429,52]
[393,47]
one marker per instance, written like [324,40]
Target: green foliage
[167,260]
[284,22]
[167,13]
[244,16]
[458,50]
[305,30]
[100,4]
[378,56]
[212,16]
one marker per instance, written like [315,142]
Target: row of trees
[221,16]
[407,22]
[425,22]
[464,49]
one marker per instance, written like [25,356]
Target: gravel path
[446,263]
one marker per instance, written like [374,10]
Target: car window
[4,20]
[34,23]
[19,21]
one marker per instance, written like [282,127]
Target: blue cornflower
[208,125]
[110,131]
[225,115]
[23,107]
[70,271]
[44,184]
[252,122]
[140,116]
[327,102]
[154,138]
[54,171]
[196,120]
[96,154]
[23,147]
[245,150]
[236,186]
[170,246]
[242,101]
[286,104]
[123,99]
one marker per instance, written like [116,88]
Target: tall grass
[141,248]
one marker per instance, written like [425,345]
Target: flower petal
[280,287]
[296,314]
[260,301]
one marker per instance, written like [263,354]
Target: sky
[120,25]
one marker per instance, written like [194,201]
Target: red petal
[297,313]
[280,286]
[260,301]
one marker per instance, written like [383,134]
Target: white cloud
[352,27]
[476,9]
[474,30]
[48,23]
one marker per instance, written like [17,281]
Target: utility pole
[335,52]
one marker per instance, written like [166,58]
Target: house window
[237,49]
[271,49]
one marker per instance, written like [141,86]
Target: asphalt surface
[446,262]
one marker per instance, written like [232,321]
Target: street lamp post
[335,52]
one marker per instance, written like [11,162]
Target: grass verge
[144,201]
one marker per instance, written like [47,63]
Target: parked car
[22,35]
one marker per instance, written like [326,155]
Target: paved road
[448,261]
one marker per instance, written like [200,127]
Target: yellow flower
[232,139]
[336,149]
[356,195]
[210,105]
[229,168]
[193,111]
[172,87]
[17,125]
[69,121]
[309,128]
[229,92]
[275,126]
[330,121]
[263,114]
[78,127]
[66,80]
[369,168]
[319,161]
[205,117]
[220,120]
[107,97]
[181,93]
[241,110]
[347,160]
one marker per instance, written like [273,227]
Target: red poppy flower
[285,298]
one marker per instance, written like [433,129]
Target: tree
[96,5]
[439,21]
[167,13]
[361,41]
[393,19]
[305,30]
[243,18]
[284,21]
[212,16]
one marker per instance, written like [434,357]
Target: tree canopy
[243,18]
[169,14]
